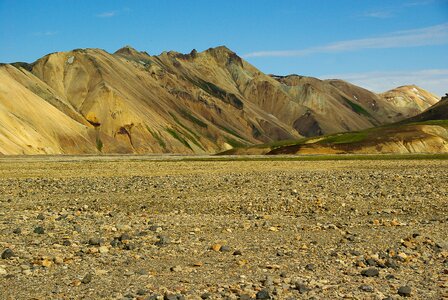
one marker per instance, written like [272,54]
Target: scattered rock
[372,272]
[39,230]
[404,291]
[263,294]
[95,241]
[7,254]
[366,288]
[87,278]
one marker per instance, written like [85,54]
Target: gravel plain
[149,228]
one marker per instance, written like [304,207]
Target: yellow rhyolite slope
[91,101]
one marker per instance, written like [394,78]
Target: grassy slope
[348,137]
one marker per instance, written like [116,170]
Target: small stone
[67,243]
[103,249]
[263,294]
[237,252]
[142,292]
[41,216]
[115,243]
[129,247]
[163,241]
[87,279]
[404,291]
[7,254]
[58,260]
[371,262]
[3,271]
[176,269]
[301,287]
[39,230]
[95,241]
[46,263]
[216,247]
[366,288]
[17,231]
[394,222]
[206,296]
[124,237]
[155,228]
[76,282]
[372,272]
[170,297]
[310,267]
[224,248]
[391,264]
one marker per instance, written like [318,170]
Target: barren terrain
[151,228]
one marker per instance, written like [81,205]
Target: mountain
[91,101]
[425,133]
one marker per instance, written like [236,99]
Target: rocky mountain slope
[425,133]
[91,101]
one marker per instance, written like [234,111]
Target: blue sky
[377,44]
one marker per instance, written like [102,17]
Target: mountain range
[89,101]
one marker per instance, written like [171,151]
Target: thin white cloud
[418,3]
[434,35]
[380,14]
[107,14]
[433,80]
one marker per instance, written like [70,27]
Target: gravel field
[147,228]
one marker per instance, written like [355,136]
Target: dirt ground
[152,228]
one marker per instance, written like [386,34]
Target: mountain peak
[127,50]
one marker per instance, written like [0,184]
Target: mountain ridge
[200,102]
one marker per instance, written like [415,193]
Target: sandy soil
[145,228]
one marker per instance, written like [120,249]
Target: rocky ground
[122,228]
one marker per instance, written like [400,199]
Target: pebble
[163,241]
[176,269]
[87,278]
[8,253]
[103,249]
[366,288]
[58,260]
[372,272]
[301,287]
[310,267]
[95,241]
[39,230]
[224,248]
[263,294]
[404,291]
[3,271]
[216,247]
[46,263]
[124,237]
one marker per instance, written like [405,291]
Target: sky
[377,44]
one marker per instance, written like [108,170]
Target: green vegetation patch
[218,92]
[234,143]
[345,138]
[443,123]
[357,108]
[157,137]
[193,119]
[99,144]
[177,136]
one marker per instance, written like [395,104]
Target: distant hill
[91,101]
[425,133]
